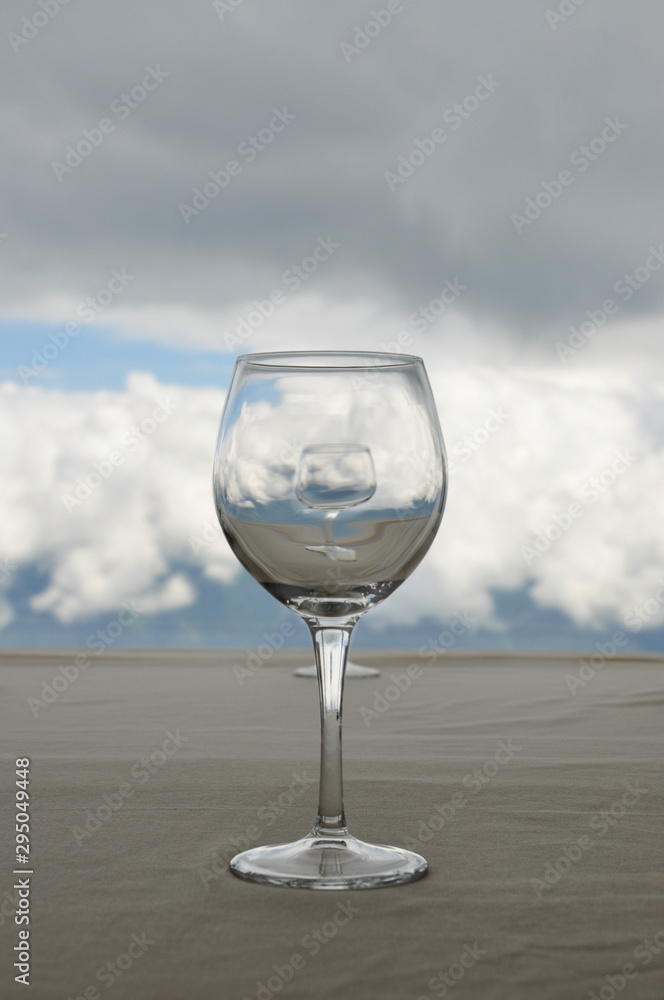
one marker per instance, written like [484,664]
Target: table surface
[538,808]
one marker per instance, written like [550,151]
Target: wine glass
[329,483]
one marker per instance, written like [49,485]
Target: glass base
[352,670]
[338,862]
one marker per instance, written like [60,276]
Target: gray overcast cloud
[536,89]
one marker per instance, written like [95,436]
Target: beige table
[488,762]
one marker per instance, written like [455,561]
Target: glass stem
[331,647]
[328,526]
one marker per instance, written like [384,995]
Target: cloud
[324,174]
[477,109]
[105,489]
[551,488]
[527,448]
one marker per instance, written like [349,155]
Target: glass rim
[310,360]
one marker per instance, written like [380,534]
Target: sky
[477,183]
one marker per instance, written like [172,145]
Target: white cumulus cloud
[553,484]
[105,489]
